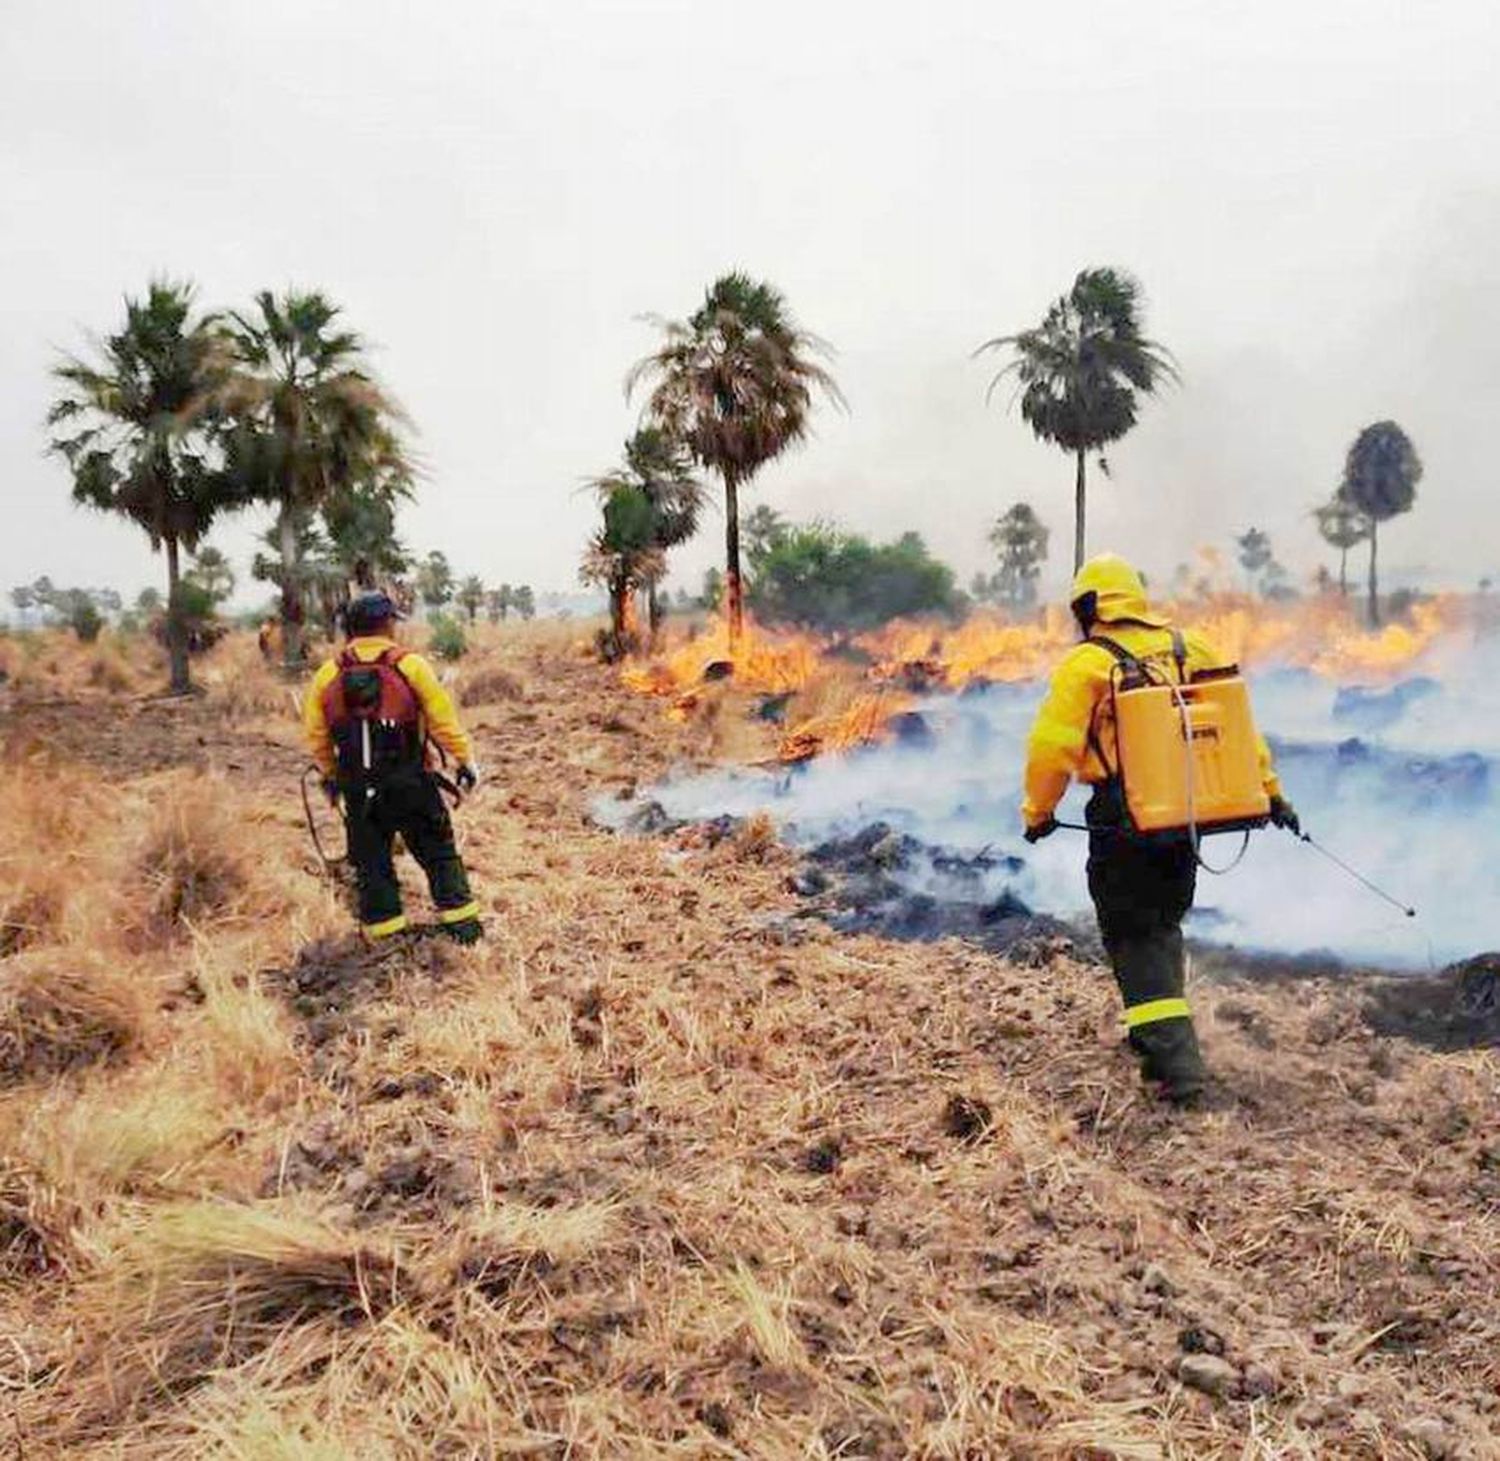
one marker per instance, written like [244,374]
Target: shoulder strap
[1122,655]
[1179,654]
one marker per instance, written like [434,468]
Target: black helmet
[367,612]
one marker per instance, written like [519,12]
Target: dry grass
[63,1007]
[663,1168]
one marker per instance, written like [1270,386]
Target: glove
[1284,814]
[331,790]
[1045,828]
[466,778]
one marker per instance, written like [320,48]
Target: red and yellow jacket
[1078,698]
[438,711]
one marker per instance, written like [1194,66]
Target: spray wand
[1316,846]
[1358,877]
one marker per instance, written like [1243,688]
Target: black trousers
[407,803]
[1142,889]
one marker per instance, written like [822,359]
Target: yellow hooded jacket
[438,712]
[1078,698]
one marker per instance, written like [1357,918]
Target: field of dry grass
[664,1167]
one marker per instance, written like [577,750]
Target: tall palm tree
[1343,526]
[1080,372]
[1381,474]
[734,382]
[137,427]
[312,424]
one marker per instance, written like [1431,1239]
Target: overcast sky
[496,191]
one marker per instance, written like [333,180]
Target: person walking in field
[369,717]
[1142,885]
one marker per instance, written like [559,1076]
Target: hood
[1119,593]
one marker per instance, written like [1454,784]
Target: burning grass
[665,1167]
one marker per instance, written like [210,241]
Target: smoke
[1396,778]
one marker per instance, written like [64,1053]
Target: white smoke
[1397,779]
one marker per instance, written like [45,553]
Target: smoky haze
[496,192]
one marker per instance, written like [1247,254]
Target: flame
[878,675]
[772,663]
[985,648]
[868,719]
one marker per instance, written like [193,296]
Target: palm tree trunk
[1374,585]
[653,611]
[291,598]
[734,593]
[177,649]
[1343,573]
[1079,494]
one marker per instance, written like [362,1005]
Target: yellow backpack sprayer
[1188,755]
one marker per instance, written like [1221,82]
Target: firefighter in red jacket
[369,716]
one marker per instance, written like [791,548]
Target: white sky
[496,190]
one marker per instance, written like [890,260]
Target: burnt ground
[989,1238]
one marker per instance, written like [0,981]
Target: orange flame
[904,658]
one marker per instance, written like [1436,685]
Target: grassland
[665,1167]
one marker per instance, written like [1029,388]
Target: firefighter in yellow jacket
[369,716]
[1142,887]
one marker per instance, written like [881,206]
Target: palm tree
[311,423]
[1080,372]
[138,434]
[435,580]
[660,469]
[1255,552]
[734,383]
[471,596]
[1342,526]
[1019,539]
[623,556]
[524,601]
[23,598]
[1380,481]
[212,573]
[498,603]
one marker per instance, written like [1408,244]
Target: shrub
[821,577]
[447,639]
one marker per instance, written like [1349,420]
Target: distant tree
[498,603]
[711,596]
[212,573]
[361,529]
[734,383]
[136,430]
[43,593]
[761,531]
[1080,372]
[1343,526]
[660,469]
[435,580]
[148,602]
[1380,480]
[984,587]
[623,557]
[1019,539]
[471,596]
[23,598]
[1276,582]
[311,425]
[821,577]
[80,613]
[108,601]
[525,602]
[1254,552]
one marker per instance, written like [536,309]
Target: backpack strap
[1179,654]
